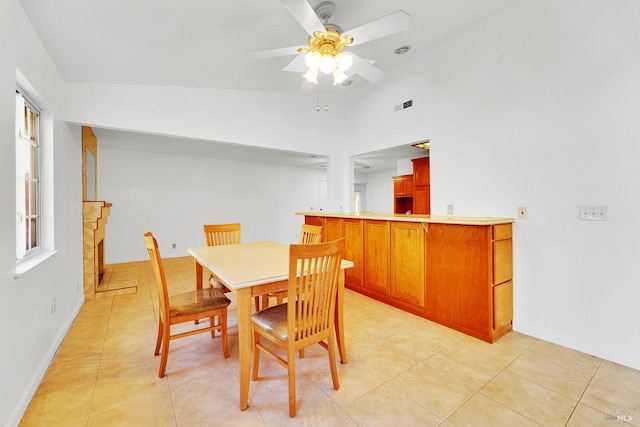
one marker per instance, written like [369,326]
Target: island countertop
[433,219]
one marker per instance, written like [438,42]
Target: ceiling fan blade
[271,53]
[297,65]
[305,15]
[365,69]
[385,26]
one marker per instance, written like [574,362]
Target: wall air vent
[403,106]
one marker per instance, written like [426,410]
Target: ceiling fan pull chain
[326,91]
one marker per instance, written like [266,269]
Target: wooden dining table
[255,269]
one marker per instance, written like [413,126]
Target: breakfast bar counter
[456,271]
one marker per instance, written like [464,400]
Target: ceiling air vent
[403,106]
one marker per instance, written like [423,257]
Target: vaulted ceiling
[202,43]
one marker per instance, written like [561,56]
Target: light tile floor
[402,371]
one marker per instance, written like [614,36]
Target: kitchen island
[456,271]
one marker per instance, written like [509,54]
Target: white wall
[380,191]
[174,195]
[538,107]
[30,332]
[287,121]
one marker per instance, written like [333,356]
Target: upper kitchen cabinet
[421,186]
[421,174]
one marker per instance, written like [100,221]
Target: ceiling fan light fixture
[312,60]
[338,76]
[344,61]
[327,64]
[311,75]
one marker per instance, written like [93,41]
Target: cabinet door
[332,229]
[408,185]
[457,275]
[377,256]
[354,240]
[422,200]
[407,263]
[421,173]
[403,185]
[398,186]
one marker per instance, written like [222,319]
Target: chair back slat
[222,234]
[310,234]
[313,283]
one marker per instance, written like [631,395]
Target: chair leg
[291,373]
[212,322]
[256,356]
[332,360]
[223,330]
[165,351]
[159,339]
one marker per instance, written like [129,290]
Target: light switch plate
[593,213]
[522,212]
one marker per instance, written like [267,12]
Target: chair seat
[196,301]
[273,320]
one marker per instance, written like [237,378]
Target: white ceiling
[201,43]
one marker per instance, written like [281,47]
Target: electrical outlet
[522,212]
[173,245]
[53,306]
[449,209]
[593,213]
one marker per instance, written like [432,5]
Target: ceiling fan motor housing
[325,10]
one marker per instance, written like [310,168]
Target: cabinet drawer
[502,232]
[502,261]
[502,305]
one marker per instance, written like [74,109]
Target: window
[28,215]
[356,201]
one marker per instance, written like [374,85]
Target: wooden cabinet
[422,200]
[377,256]
[456,273]
[421,186]
[353,232]
[502,283]
[413,192]
[421,173]
[354,251]
[403,185]
[332,229]
[471,288]
[407,263]
[403,193]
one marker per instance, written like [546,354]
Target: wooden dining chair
[184,307]
[308,316]
[221,234]
[309,234]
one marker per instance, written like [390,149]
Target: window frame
[28,204]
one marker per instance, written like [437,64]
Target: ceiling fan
[324,52]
